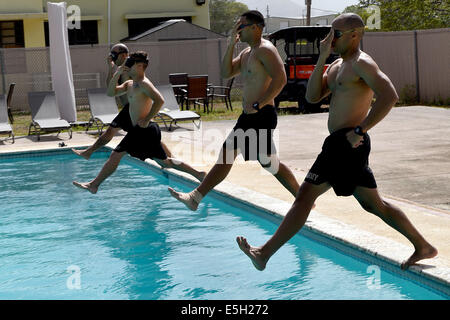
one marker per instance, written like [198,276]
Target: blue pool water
[133,241]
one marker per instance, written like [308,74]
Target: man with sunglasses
[117,57]
[353,80]
[143,138]
[263,76]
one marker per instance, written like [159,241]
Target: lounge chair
[223,92]
[45,114]
[103,108]
[170,112]
[5,127]
[8,102]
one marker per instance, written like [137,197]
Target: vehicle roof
[292,33]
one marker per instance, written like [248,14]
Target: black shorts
[143,143]
[342,166]
[253,134]
[123,120]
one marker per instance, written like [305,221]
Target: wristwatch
[256,106]
[358,130]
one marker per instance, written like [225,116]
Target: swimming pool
[132,241]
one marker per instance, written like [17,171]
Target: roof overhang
[21,16]
[42,15]
[160,15]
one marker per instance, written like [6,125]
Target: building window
[87,34]
[11,34]
[138,26]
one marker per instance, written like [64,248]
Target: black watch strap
[256,106]
[358,130]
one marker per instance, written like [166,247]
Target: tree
[223,14]
[402,15]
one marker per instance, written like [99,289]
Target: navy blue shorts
[123,120]
[253,133]
[342,166]
[143,143]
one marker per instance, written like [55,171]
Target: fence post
[2,67]
[416,57]
[220,60]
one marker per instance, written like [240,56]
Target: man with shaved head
[353,80]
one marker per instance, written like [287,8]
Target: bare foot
[424,253]
[82,153]
[201,176]
[86,186]
[254,253]
[185,198]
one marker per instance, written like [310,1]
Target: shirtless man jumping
[343,163]
[117,56]
[263,76]
[143,139]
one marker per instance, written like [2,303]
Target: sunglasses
[115,55]
[338,33]
[242,26]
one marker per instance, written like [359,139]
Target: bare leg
[100,142]
[166,150]
[215,176]
[287,179]
[291,224]
[108,168]
[181,166]
[285,176]
[371,201]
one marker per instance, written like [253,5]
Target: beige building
[24,23]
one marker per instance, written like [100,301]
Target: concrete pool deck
[410,159]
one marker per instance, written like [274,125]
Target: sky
[293,8]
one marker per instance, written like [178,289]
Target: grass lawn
[22,120]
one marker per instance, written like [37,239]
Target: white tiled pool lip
[348,239]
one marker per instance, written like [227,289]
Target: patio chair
[45,116]
[222,92]
[170,113]
[8,101]
[197,90]
[5,127]
[103,108]
[179,82]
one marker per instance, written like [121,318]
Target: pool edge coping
[348,239]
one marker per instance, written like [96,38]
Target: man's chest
[134,93]
[251,66]
[342,75]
